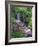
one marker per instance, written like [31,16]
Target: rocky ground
[24,29]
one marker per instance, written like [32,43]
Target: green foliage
[17,34]
[30,23]
[25,13]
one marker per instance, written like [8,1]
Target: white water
[18,18]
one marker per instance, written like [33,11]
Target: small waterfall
[18,18]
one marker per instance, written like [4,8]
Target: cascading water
[18,18]
[22,26]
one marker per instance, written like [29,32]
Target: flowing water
[18,16]
[22,26]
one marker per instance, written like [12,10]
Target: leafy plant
[17,34]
